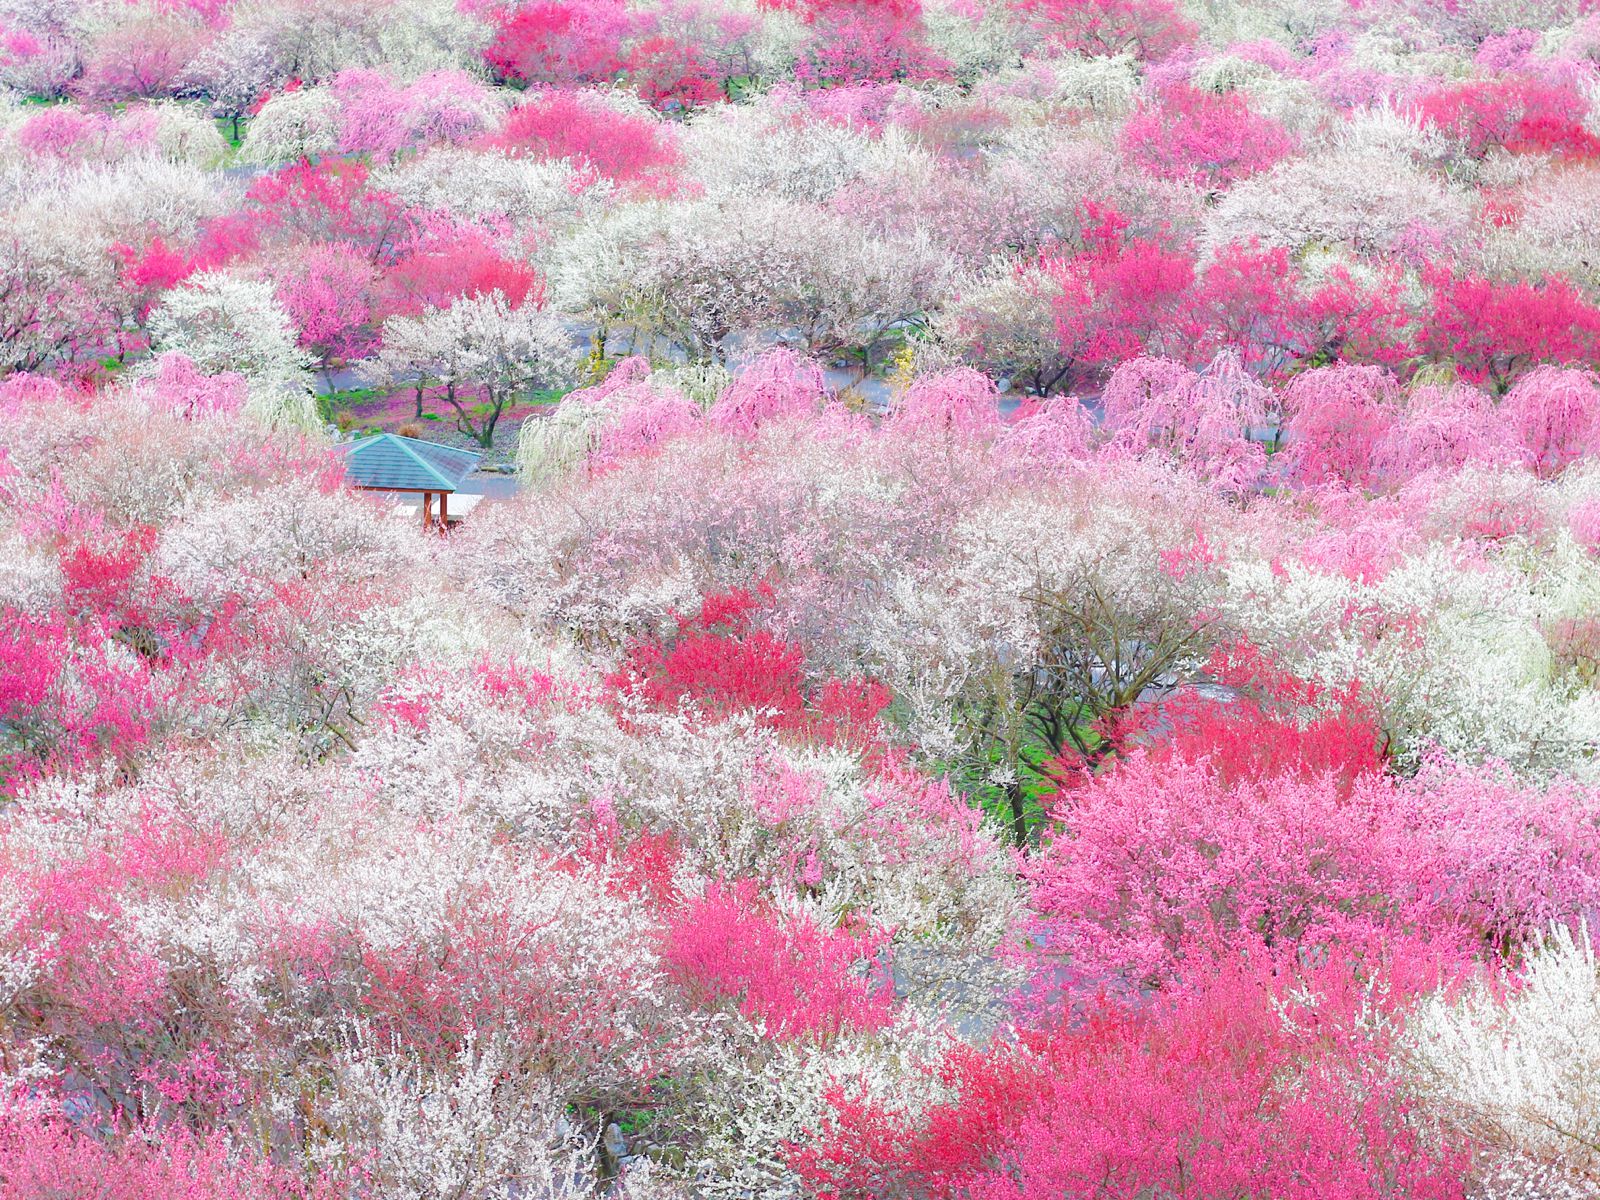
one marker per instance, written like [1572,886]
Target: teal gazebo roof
[393,463]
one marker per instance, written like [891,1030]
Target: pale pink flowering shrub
[1443,429]
[780,383]
[954,404]
[1202,420]
[1554,413]
[639,413]
[1584,521]
[1356,536]
[640,420]
[857,106]
[1335,417]
[381,117]
[1046,436]
[38,61]
[178,386]
[629,372]
[1486,505]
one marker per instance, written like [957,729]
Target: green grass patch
[225,128]
[348,397]
[994,800]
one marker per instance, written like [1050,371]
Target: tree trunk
[497,404]
[1019,814]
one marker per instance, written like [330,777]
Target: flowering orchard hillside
[1047,646]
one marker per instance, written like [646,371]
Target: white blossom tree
[227,322]
[481,353]
[1523,1071]
[292,125]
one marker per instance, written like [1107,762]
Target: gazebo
[387,462]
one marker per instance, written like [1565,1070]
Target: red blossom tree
[1192,1095]
[562,42]
[1494,331]
[1119,297]
[720,663]
[328,201]
[1255,300]
[448,264]
[669,74]
[1517,114]
[851,45]
[1202,137]
[794,978]
[1254,720]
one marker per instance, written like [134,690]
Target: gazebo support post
[444,512]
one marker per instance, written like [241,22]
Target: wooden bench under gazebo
[387,462]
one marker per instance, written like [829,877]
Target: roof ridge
[424,463]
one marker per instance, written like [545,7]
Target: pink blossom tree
[329,296]
[1203,420]
[1147,28]
[777,384]
[627,148]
